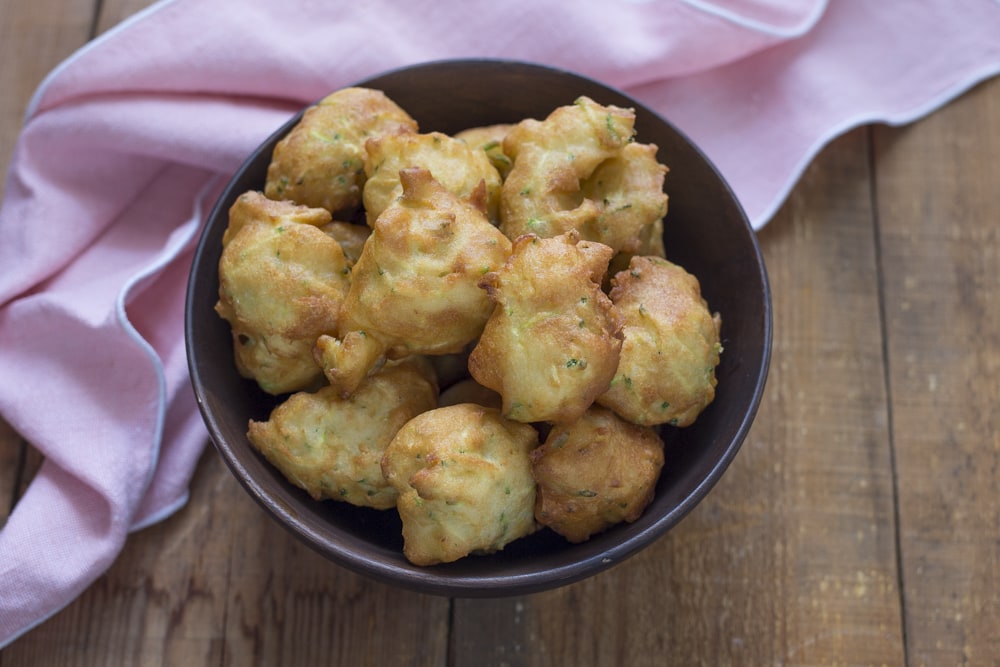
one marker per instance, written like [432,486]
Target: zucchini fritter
[460,168]
[415,287]
[594,473]
[552,158]
[464,482]
[551,345]
[332,447]
[667,370]
[281,285]
[320,163]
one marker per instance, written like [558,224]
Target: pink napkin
[127,144]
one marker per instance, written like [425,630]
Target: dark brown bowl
[706,231]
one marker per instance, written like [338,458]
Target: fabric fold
[777,18]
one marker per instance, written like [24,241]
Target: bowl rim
[432,580]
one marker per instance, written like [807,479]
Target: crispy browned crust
[551,345]
[594,473]
[671,347]
[320,163]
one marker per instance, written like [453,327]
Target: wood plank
[113,12]
[791,559]
[35,35]
[12,453]
[287,605]
[940,233]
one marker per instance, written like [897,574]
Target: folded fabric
[127,144]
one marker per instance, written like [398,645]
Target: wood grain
[35,36]
[110,13]
[12,451]
[289,606]
[940,236]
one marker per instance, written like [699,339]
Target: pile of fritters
[481,330]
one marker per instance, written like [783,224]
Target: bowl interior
[706,231]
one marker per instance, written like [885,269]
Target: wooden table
[860,524]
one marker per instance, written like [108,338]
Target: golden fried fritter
[671,348]
[489,138]
[628,191]
[320,163]
[332,447]
[464,480]
[551,345]
[552,158]
[281,284]
[594,473]
[456,165]
[415,287]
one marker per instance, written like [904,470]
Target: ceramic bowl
[706,231]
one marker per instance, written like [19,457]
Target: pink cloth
[128,142]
